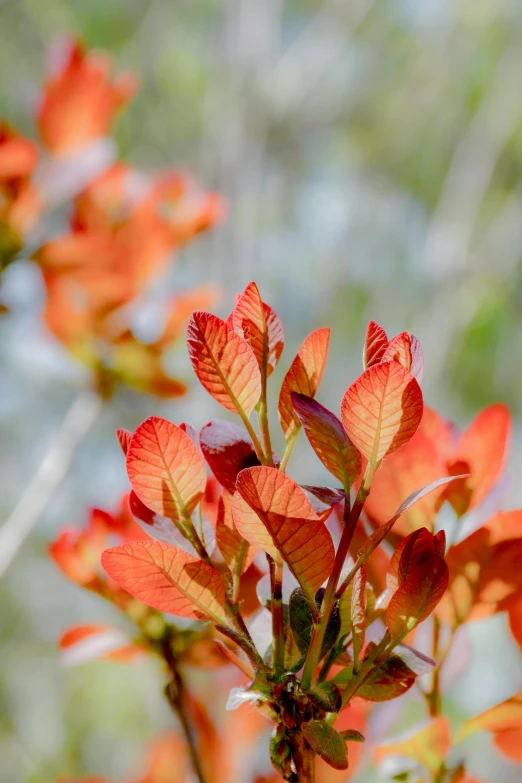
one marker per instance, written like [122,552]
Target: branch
[55,465]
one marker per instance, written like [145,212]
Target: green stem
[290,443]
[365,669]
[253,436]
[265,430]
[276,605]
[319,628]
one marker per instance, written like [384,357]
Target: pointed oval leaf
[358,613]
[124,437]
[224,363]
[304,376]
[387,681]
[406,349]
[165,468]
[260,326]
[250,526]
[328,439]
[326,696]
[228,450]
[300,537]
[167,579]
[382,410]
[301,623]
[375,345]
[327,743]
[237,552]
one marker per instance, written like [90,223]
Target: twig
[79,419]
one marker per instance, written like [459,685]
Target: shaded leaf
[429,745]
[260,326]
[328,439]
[304,377]
[406,349]
[387,681]
[300,538]
[326,696]
[167,579]
[352,735]
[228,450]
[301,623]
[237,552]
[358,612]
[375,345]
[163,529]
[224,363]
[327,743]
[165,468]
[323,499]
[382,410]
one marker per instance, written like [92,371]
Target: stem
[290,443]
[276,605]
[304,760]
[433,697]
[251,431]
[265,428]
[365,669]
[78,421]
[176,695]
[319,628]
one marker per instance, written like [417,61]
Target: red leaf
[328,439]
[124,437]
[296,532]
[260,326]
[227,449]
[237,552]
[375,345]
[165,468]
[304,376]
[224,363]
[406,349]
[420,571]
[167,579]
[382,410]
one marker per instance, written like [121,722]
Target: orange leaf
[224,363]
[167,579]
[296,532]
[375,345]
[237,552]
[165,468]
[328,439]
[124,437]
[250,526]
[228,449]
[505,721]
[84,643]
[481,451]
[382,410]
[304,376]
[260,326]
[406,349]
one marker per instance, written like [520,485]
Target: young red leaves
[304,376]
[228,449]
[297,534]
[167,579]
[406,349]
[375,345]
[224,363]
[419,576]
[382,410]
[328,439]
[260,326]
[165,468]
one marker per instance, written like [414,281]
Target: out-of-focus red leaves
[165,468]
[228,449]
[83,643]
[382,410]
[19,200]
[328,439]
[304,377]
[505,722]
[79,101]
[167,579]
[418,577]
[224,363]
[295,529]
[260,326]
[428,746]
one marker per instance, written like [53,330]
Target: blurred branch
[79,419]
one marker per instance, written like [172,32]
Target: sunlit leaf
[406,349]
[167,579]
[165,468]
[224,363]
[382,410]
[237,552]
[227,449]
[328,439]
[300,537]
[124,437]
[304,377]
[375,345]
[327,743]
[260,326]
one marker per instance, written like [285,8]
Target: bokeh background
[371,156]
